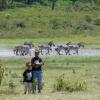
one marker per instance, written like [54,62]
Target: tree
[74,1]
[53,3]
[2,4]
[5,3]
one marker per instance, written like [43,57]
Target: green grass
[85,69]
[41,21]
[90,41]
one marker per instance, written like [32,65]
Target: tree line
[12,3]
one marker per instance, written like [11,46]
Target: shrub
[1,73]
[70,86]
[11,84]
[14,75]
[7,16]
[55,24]
[66,23]
[74,72]
[97,22]
[88,18]
[83,26]
[60,83]
[20,24]
[4,24]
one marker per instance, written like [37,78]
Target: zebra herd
[23,49]
[26,48]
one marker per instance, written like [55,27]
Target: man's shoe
[24,92]
[39,91]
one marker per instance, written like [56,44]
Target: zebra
[25,50]
[17,50]
[30,44]
[21,50]
[76,47]
[44,47]
[62,47]
[51,44]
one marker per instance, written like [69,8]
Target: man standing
[37,71]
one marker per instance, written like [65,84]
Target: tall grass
[71,86]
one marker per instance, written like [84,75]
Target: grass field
[85,69]
[41,21]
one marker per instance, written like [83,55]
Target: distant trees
[29,1]
[97,2]
[5,3]
[33,1]
[2,3]
[74,1]
[9,3]
[53,3]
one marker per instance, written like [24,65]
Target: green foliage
[70,86]
[4,24]
[20,24]
[40,21]
[1,73]
[14,75]
[55,24]
[60,85]
[19,3]
[35,83]
[11,84]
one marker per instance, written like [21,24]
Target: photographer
[37,70]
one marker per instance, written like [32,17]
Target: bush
[60,83]
[70,86]
[1,73]
[4,24]
[11,85]
[20,24]
[14,75]
[55,24]
[66,23]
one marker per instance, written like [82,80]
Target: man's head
[37,52]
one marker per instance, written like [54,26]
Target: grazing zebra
[51,43]
[21,50]
[30,44]
[44,47]
[59,48]
[17,50]
[76,47]
[25,50]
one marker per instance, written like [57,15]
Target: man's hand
[37,65]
